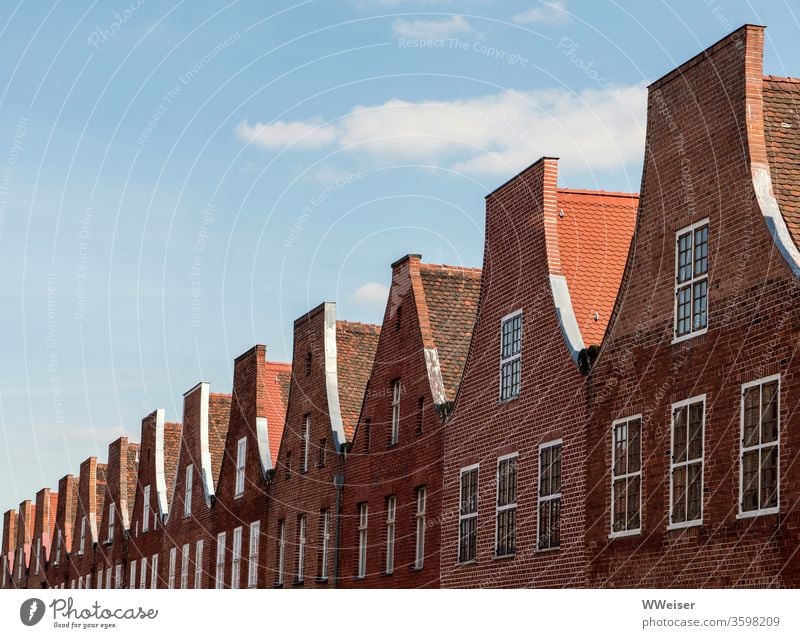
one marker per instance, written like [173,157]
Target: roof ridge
[464,269]
[356,324]
[597,193]
[781,78]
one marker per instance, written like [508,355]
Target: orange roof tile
[355,352]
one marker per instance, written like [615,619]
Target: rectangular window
[306,441]
[550,495]
[99,579]
[362,540]
[281,551]
[419,551]
[506,509]
[691,280]
[82,547]
[219,574]
[760,438]
[391,512]
[198,564]
[510,355]
[173,552]
[108,577]
[38,555]
[395,433]
[80,580]
[301,549]
[252,555]
[143,574]
[323,444]
[118,576]
[88,581]
[241,455]
[686,468]
[132,582]
[626,476]
[468,515]
[112,515]
[58,547]
[146,509]
[187,491]
[185,566]
[154,572]
[325,539]
[236,561]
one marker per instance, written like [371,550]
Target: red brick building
[331,363]
[8,549]
[61,546]
[88,519]
[392,494]
[22,550]
[692,475]
[43,526]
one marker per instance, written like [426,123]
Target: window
[154,572]
[506,510]
[301,549]
[306,441]
[325,539]
[118,576]
[419,553]
[391,512]
[691,280]
[550,495]
[187,491]
[686,469]
[146,509]
[236,562]
[88,581]
[241,455]
[626,476]
[143,574]
[80,578]
[420,415]
[220,571]
[395,433]
[198,564]
[108,577]
[99,579]
[38,555]
[83,536]
[173,551]
[510,355]
[112,514]
[759,469]
[19,565]
[58,547]
[468,515]
[132,582]
[323,444]
[362,540]
[281,551]
[185,566]
[252,555]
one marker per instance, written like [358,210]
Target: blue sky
[181,180]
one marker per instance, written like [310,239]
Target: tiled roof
[219,410]
[782,133]
[451,294]
[276,379]
[594,236]
[355,351]
[172,446]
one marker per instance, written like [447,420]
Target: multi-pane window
[132,582]
[154,572]
[173,552]
[506,513]
[82,548]
[219,573]
[760,446]
[395,433]
[143,574]
[419,548]
[146,509]
[112,515]
[198,564]
[241,455]
[391,513]
[468,515]
[510,355]
[185,566]
[686,471]
[691,280]
[252,554]
[363,517]
[236,563]
[306,441]
[626,476]
[300,569]
[550,495]
[325,540]
[187,491]
[281,552]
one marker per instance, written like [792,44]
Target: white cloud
[552,12]
[431,29]
[371,294]
[280,134]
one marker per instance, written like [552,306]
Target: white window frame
[550,497]
[419,519]
[397,391]
[80,582]
[154,572]
[99,579]
[627,476]
[512,357]
[185,566]
[326,537]
[685,464]
[118,576]
[88,582]
[188,487]
[82,547]
[219,573]
[38,554]
[241,460]
[363,528]
[173,556]
[236,559]
[143,573]
[306,440]
[112,516]
[19,564]
[689,283]
[132,576]
[146,509]
[198,564]
[281,551]
[777,444]
[391,521]
[498,509]
[464,517]
[108,577]
[252,554]
[58,546]
[300,571]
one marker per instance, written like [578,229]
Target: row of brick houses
[609,402]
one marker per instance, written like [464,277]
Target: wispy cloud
[552,12]
[309,134]
[372,294]
[432,29]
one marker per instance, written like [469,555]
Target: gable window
[236,562]
[252,555]
[88,581]
[146,509]
[99,578]
[626,476]
[112,514]
[300,566]
[143,574]
[187,491]
[58,547]
[395,433]
[108,578]
[691,280]
[281,551]
[325,538]
[419,547]
[363,517]
[80,578]
[306,441]
[468,515]
[19,566]
[506,512]
[510,355]
[82,547]
[391,511]
[550,495]
[241,455]
[760,434]
[118,576]
[38,555]
[172,560]
[686,471]
[321,452]
[132,582]
[153,572]
[198,564]
[185,566]
[219,573]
